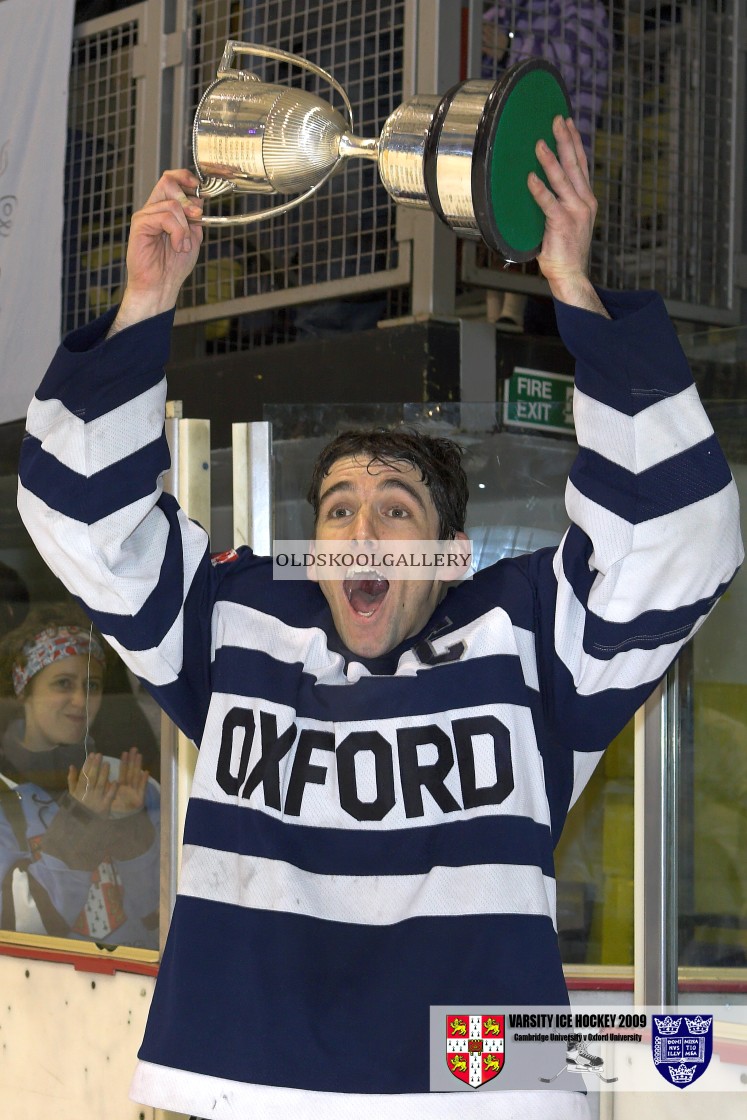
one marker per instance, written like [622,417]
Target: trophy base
[468,155]
[519,111]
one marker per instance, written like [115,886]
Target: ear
[459,557]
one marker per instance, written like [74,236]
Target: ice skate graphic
[579,1059]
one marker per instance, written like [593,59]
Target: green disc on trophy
[518,112]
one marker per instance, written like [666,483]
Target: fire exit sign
[537,399]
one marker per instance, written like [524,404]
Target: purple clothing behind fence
[574,35]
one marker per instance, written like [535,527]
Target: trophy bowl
[465,155]
[253,137]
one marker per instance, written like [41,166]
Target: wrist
[577,291]
[138,306]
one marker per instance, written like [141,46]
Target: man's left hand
[570,207]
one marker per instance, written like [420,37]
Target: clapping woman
[79,831]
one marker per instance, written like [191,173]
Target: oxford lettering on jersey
[252,750]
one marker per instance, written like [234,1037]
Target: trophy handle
[226,70]
[260,215]
[234,47]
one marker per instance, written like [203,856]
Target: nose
[362,528]
[79,695]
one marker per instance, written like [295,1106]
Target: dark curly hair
[438,460]
[38,619]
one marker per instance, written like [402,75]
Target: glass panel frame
[17,550]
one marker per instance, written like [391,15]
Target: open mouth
[366,592]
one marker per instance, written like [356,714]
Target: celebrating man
[385,766]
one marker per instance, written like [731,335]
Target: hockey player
[383,773]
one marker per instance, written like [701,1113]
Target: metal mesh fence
[99,171]
[652,89]
[347,230]
[652,85]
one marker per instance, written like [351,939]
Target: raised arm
[655,537]
[90,477]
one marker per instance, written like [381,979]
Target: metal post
[173,83]
[158,66]
[477,375]
[189,482]
[738,185]
[252,485]
[437,35]
[146,71]
[657,742]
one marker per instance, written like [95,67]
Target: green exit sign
[536,399]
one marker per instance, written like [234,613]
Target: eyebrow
[90,673]
[386,484]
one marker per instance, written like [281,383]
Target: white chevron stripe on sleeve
[161,664]
[656,556]
[89,448]
[72,554]
[119,574]
[627,669]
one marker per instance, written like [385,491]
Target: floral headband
[52,645]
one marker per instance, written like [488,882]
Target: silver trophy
[465,155]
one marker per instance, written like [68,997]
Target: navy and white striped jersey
[366,839]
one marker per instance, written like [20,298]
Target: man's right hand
[164,242]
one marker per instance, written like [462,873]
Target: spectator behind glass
[573,34]
[79,836]
[14,599]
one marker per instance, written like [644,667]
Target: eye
[399,512]
[338,512]
[94,687]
